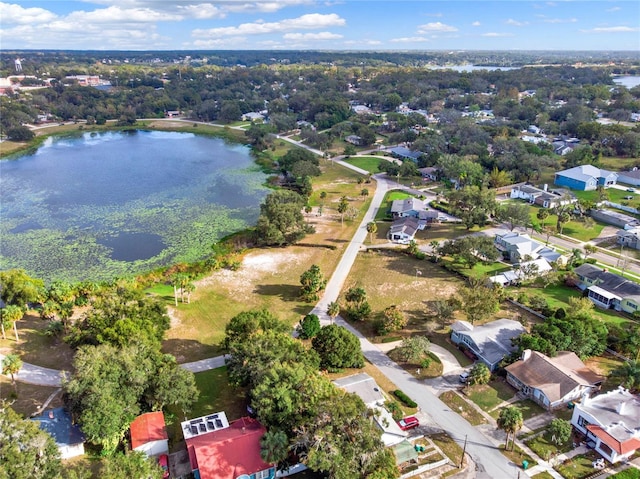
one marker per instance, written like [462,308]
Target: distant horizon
[321,25]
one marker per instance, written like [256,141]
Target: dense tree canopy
[281,220]
[338,348]
[26,452]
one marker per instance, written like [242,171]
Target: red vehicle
[163,460]
[408,423]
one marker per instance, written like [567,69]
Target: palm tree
[629,372]
[11,364]
[435,248]
[510,421]
[274,447]
[372,228]
[333,310]
[364,193]
[342,208]
[542,215]
[11,314]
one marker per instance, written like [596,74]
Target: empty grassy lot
[268,278]
[488,396]
[369,163]
[462,407]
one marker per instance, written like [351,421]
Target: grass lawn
[578,467]
[385,206]
[542,475]
[575,229]
[369,163]
[26,398]
[416,369]
[631,473]
[527,407]
[544,447]
[448,446]
[517,456]
[557,296]
[604,365]
[35,347]
[617,163]
[488,396]
[462,407]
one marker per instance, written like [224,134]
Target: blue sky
[324,25]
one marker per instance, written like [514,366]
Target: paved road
[32,374]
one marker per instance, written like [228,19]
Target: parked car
[632,190]
[163,461]
[408,423]
[464,377]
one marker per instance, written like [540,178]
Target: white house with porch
[610,422]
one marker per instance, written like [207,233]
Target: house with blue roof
[403,153]
[585,178]
[67,435]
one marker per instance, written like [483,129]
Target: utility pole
[464,450]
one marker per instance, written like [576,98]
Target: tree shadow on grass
[188,350]
[286,292]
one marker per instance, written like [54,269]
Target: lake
[629,81]
[103,205]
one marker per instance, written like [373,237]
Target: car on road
[408,422]
[163,461]
[632,190]
[464,377]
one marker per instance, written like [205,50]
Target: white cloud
[552,4]
[516,23]
[363,42]
[476,24]
[118,15]
[495,34]
[409,40]
[12,14]
[312,36]
[613,9]
[310,21]
[436,27]
[220,6]
[560,20]
[617,29]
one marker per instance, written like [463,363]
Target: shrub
[309,326]
[394,408]
[560,313]
[425,363]
[523,298]
[406,400]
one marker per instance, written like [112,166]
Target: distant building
[85,80]
[631,177]
[405,153]
[354,140]
[608,290]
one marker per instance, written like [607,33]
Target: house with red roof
[610,422]
[149,434]
[222,450]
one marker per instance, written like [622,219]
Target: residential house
[366,388]
[353,139]
[552,382]
[490,342]
[518,247]
[608,290]
[371,394]
[635,117]
[615,218]
[610,422]
[407,207]
[403,230]
[541,196]
[67,435]
[534,129]
[631,177]
[522,272]
[563,145]
[429,172]
[254,116]
[361,109]
[403,153]
[222,450]
[629,238]
[172,113]
[585,178]
[148,434]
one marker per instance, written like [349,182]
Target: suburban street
[481,446]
